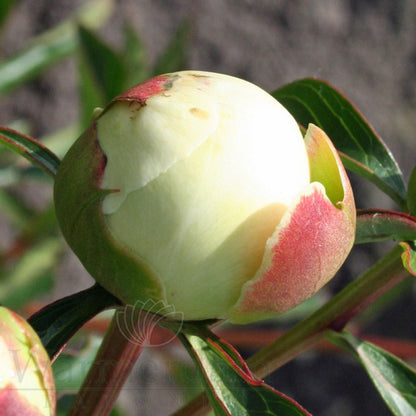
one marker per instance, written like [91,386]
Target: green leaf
[31,149]
[90,92]
[361,149]
[186,378]
[31,276]
[106,65]
[174,57]
[70,370]
[50,47]
[5,8]
[134,57]
[380,225]
[409,256]
[411,193]
[232,389]
[394,380]
[59,321]
[41,54]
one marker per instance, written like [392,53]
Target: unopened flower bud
[199,190]
[26,380]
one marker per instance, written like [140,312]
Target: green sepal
[78,201]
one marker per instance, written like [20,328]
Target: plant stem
[335,314]
[112,365]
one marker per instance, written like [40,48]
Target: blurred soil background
[365,48]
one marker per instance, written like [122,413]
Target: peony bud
[26,380]
[198,189]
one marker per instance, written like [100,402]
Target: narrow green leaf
[380,225]
[411,193]
[50,47]
[362,150]
[175,57]
[59,321]
[31,149]
[409,256]
[134,57]
[70,370]
[105,64]
[394,380]
[5,8]
[186,378]
[36,58]
[232,389]
[90,92]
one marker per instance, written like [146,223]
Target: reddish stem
[114,362]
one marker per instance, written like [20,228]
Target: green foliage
[175,55]
[106,66]
[395,380]
[27,268]
[5,8]
[135,59]
[380,225]
[59,321]
[362,151]
[104,73]
[69,370]
[31,149]
[50,47]
[232,389]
